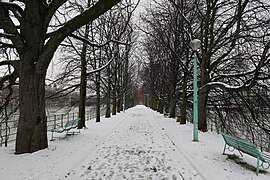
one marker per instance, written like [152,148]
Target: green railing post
[54,122]
[62,117]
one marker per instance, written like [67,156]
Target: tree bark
[202,108]
[83,85]
[183,107]
[172,107]
[173,82]
[119,104]
[83,82]
[32,126]
[114,102]
[114,91]
[203,93]
[108,96]
[159,105]
[98,97]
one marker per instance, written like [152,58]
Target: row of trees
[234,58]
[96,59]
[94,43]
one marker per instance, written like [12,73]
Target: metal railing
[235,124]
[8,128]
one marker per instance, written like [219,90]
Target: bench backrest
[72,123]
[242,145]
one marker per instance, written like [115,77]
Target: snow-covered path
[138,144]
[137,149]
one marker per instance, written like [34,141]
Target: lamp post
[195,45]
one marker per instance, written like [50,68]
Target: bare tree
[26,25]
[234,56]
[98,51]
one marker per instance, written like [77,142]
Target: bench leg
[66,135]
[257,170]
[224,149]
[52,137]
[240,153]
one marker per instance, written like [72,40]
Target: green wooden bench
[248,148]
[71,124]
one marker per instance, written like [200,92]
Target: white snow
[137,144]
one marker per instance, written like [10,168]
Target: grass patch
[240,161]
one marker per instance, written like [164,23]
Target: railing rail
[8,129]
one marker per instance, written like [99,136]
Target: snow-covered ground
[137,144]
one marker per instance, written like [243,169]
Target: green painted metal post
[195,100]
[195,45]
[257,169]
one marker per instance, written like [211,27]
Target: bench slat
[58,130]
[246,147]
[71,124]
[266,158]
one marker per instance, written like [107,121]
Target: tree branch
[15,64]
[52,8]
[15,8]
[85,40]
[9,28]
[101,68]
[6,45]
[58,36]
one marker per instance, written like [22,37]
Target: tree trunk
[125,102]
[146,100]
[159,105]
[172,96]
[162,105]
[183,108]
[203,93]
[35,52]
[108,96]
[172,107]
[82,97]
[83,83]
[119,104]
[154,103]
[98,97]
[202,108]
[114,103]
[114,92]
[32,126]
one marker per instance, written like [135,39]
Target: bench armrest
[58,126]
[58,130]
[266,157]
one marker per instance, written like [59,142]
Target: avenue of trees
[93,44]
[96,60]
[94,39]
[233,62]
